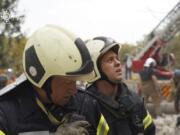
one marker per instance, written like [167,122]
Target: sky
[127,21]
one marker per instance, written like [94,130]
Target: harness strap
[50,116]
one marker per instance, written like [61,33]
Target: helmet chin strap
[47,88]
[105,78]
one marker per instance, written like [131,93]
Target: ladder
[168,27]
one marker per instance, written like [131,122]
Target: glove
[73,128]
[72,117]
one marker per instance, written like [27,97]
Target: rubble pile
[166,125]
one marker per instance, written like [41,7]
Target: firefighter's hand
[73,128]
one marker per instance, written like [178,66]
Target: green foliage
[11,56]
[126,49]
[174,47]
[11,38]
[10,20]
[15,54]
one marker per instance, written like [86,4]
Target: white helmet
[97,47]
[149,62]
[52,50]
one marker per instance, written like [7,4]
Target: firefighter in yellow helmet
[40,99]
[108,104]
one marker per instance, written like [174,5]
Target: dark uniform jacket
[146,73]
[21,112]
[125,116]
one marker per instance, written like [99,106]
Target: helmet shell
[97,47]
[52,50]
[150,62]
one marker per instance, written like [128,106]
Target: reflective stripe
[103,127]
[50,116]
[147,121]
[2,133]
[165,90]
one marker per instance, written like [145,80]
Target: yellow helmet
[52,50]
[97,47]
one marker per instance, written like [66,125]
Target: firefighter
[149,85]
[40,99]
[128,64]
[108,104]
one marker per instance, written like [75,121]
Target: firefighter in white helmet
[108,104]
[149,85]
[37,103]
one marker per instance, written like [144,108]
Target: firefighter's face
[111,66]
[62,90]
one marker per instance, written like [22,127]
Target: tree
[126,49]
[10,20]
[10,31]
[174,47]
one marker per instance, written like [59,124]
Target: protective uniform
[50,51]
[21,112]
[149,87]
[124,115]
